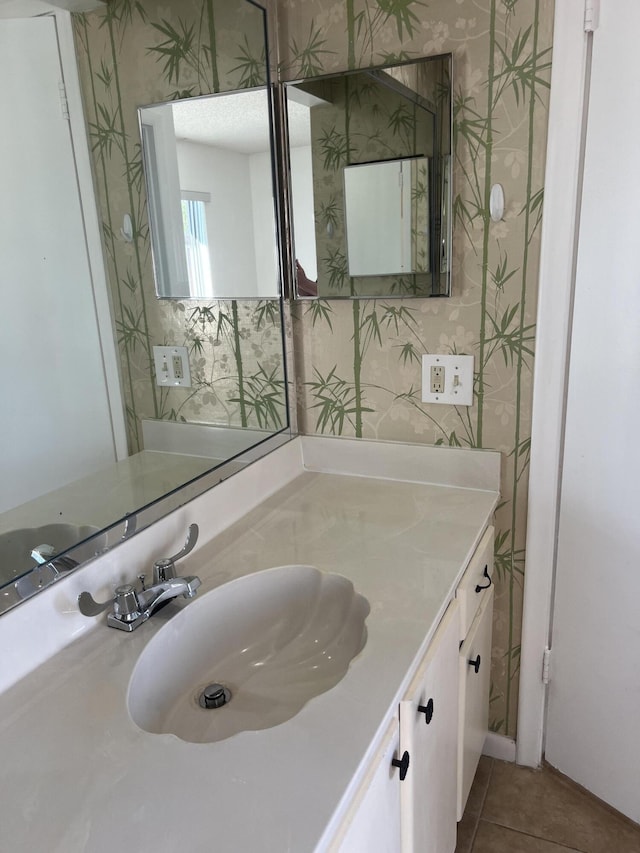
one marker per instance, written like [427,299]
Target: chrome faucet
[132,607]
[42,555]
[165,568]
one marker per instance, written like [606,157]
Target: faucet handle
[126,605]
[89,606]
[164,569]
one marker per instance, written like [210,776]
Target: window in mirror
[214,153]
[196,244]
[369,159]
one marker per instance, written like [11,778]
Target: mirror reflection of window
[196,243]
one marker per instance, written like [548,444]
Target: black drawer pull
[476,664]
[403,764]
[486,575]
[427,710]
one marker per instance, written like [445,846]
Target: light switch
[447,379]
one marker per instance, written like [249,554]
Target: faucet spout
[132,607]
[153,597]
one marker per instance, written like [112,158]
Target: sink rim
[186,627]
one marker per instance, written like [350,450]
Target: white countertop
[79,775]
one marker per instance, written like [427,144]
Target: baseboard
[499,746]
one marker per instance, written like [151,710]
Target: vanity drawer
[475,581]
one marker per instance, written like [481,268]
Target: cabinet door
[474,671]
[373,821]
[428,731]
[475,581]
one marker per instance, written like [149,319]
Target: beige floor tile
[492,838]
[475,801]
[545,805]
[466,833]
[479,788]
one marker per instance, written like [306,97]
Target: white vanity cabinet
[429,732]
[407,801]
[373,820]
[475,596]
[440,725]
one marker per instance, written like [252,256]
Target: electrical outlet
[447,379]
[172,366]
[178,369]
[437,379]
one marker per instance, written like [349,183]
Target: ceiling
[238,121]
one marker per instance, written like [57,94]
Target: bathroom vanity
[410,527]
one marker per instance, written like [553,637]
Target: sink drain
[214,696]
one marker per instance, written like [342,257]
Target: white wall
[56,423]
[559,229]
[163,190]
[226,176]
[594,693]
[303,212]
[264,225]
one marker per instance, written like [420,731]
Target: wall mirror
[370,181]
[210,186]
[94,448]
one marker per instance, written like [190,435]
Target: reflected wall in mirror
[90,437]
[387,217]
[210,185]
[370,159]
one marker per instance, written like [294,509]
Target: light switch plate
[172,366]
[457,383]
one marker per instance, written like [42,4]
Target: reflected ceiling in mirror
[209,177]
[370,181]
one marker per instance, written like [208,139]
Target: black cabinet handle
[485,574]
[476,664]
[403,764]
[427,710]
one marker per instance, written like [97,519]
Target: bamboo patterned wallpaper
[136,53]
[364,121]
[359,362]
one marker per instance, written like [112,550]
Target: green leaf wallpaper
[359,362]
[137,53]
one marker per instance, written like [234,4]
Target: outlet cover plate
[165,360]
[458,379]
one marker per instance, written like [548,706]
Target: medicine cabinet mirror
[370,181]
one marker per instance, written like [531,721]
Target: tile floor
[514,809]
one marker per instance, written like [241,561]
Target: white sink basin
[274,639]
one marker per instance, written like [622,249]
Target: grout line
[577,787]
[561,847]
[481,809]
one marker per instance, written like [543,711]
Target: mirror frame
[288,226]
